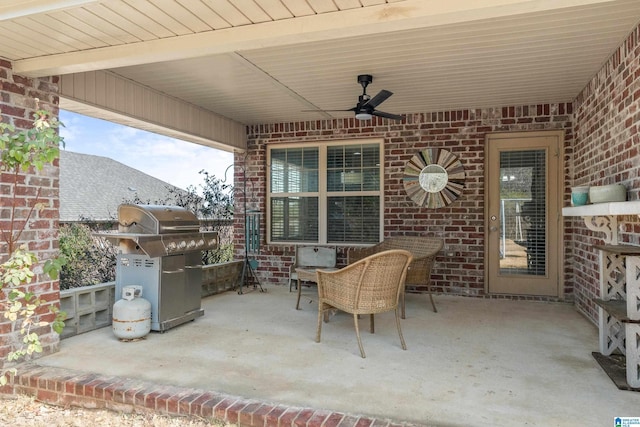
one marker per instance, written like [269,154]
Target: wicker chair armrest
[340,286]
[419,271]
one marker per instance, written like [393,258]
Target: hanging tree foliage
[20,152]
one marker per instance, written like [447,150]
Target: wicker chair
[369,286]
[424,251]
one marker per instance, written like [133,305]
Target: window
[328,193]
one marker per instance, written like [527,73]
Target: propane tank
[131,314]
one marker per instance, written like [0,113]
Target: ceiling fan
[366,107]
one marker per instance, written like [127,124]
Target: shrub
[22,151]
[91,259]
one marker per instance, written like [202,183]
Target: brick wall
[460,224]
[606,151]
[17,104]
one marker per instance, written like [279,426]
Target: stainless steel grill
[160,248]
[157,230]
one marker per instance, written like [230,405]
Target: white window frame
[323,194]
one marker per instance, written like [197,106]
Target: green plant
[214,207]
[90,259]
[22,151]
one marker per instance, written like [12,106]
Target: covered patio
[243,77]
[480,362]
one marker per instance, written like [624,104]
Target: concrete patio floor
[477,362]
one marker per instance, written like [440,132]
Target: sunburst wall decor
[434,178]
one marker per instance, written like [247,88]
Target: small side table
[309,275]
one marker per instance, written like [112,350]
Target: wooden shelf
[603,217]
[619,319]
[616,308]
[604,209]
[626,250]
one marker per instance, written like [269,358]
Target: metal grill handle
[179,270]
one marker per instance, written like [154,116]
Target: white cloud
[171,160]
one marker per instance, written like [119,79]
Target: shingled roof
[92,187]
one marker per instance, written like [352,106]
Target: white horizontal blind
[329,193]
[294,189]
[523,212]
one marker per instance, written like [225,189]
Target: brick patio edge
[64,387]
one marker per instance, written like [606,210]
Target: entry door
[523,229]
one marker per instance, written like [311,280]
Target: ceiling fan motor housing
[364,80]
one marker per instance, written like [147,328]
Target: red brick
[303,416]
[260,415]
[220,410]
[288,416]
[48,396]
[272,419]
[246,414]
[364,422]
[234,411]
[462,132]
[207,407]
[333,420]
[162,402]
[348,421]
[90,388]
[173,404]
[186,404]
[318,418]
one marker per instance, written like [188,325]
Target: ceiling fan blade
[387,115]
[378,99]
[329,111]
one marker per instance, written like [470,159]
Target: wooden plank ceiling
[265,61]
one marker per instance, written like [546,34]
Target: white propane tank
[131,314]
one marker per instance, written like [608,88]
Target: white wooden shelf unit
[619,302]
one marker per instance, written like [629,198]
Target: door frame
[560,135]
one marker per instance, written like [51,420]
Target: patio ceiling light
[363,116]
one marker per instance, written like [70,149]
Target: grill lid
[156,219]
[158,230]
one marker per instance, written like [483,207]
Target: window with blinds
[294,189]
[523,212]
[329,193]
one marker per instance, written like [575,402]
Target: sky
[171,160]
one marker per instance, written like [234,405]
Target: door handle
[493,228]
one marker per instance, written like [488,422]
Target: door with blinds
[523,251]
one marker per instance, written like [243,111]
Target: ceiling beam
[110,97]
[397,16]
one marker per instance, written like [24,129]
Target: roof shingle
[92,187]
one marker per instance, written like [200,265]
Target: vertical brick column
[17,103]
[606,151]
